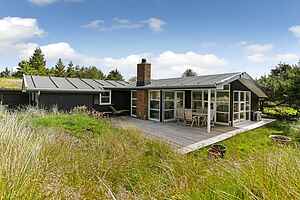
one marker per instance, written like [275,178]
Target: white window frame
[149,109]
[203,101]
[100,97]
[224,102]
[239,102]
[131,106]
[164,109]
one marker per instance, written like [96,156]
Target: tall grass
[74,156]
[20,147]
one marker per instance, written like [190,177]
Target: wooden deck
[185,138]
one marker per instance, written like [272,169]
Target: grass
[79,157]
[10,83]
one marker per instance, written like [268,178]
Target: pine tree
[59,68]
[114,75]
[5,73]
[38,63]
[93,73]
[188,73]
[70,72]
[25,68]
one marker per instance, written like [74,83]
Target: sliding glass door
[169,105]
[241,106]
[154,105]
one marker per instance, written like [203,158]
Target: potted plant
[216,151]
[280,139]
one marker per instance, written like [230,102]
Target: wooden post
[208,111]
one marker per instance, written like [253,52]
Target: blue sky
[210,36]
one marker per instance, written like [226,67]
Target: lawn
[74,156]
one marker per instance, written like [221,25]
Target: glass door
[241,106]
[154,105]
[180,101]
[169,105]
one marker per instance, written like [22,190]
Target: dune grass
[80,157]
[10,83]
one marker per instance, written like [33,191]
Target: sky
[208,36]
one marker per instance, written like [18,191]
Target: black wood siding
[66,101]
[14,98]
[121,100]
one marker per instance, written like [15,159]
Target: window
[105,97]
[154,105]
[133,103]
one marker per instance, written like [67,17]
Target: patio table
[200,117]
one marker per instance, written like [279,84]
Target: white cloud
[165,64]
[256,53]
[295,30]
[43,2]
[48,2]
[154,24]
[257,58]
[15,29]
[258,48]
[287,57]
[95,24]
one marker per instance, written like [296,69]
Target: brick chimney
[143,73]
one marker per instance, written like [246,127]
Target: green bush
[282,112]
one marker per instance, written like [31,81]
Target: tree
[70,72]
[59,69]
[5,73]
[25,68]
[38,63]
[114,75]
[189,72]
[93,73]
[282,84]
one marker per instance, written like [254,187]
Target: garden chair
[189,119]
[179,115]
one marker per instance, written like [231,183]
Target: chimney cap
[144,60]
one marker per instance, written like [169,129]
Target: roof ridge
[190,77]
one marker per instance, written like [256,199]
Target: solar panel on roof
[62,83]
[43,82]
[104,83]
[93,83]
[80,84]
[29,82]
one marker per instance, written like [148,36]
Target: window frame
[100,97]
[149,105]
[131,99]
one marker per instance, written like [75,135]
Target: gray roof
[251,85]
[61,84]
[208,81]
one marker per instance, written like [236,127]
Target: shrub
[80,109]
[282,112]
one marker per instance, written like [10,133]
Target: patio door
[169,105]
[180,104]
[241,106]
[154,105]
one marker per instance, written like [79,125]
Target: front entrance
[241,106]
